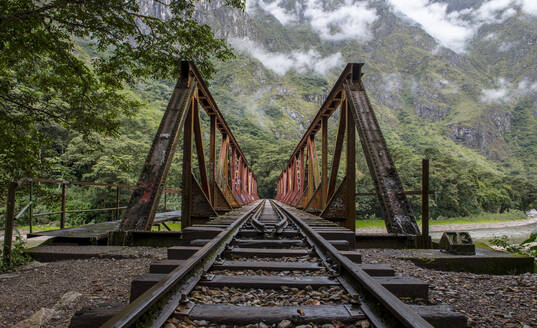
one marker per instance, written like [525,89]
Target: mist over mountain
[457,76]
[461,72]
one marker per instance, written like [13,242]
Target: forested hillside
[453,81]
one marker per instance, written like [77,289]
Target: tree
[47,79]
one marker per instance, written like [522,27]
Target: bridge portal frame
[321,196]
[219,190]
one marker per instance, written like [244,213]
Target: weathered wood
[351,255]
[31,204]
[182,252]
[94,317]
[261,252]
[405,286]
[268,243]
[165,266]
[234,314]
[200,232]
[267,265]
[440,316]
[250,233]
[275,282]
[377,269]
[143,283]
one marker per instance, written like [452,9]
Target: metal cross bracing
[306,186]
[225,183]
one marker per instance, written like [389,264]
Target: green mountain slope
[472,111]
[426,96]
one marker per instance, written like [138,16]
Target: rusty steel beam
[425,203]
[337,153]
[199,148]
[324,159]
[398,214]
[350,171]
[144,199]
[349,96]
[182,113]
[186,202]
[212,159]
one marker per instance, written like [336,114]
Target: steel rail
[401,313]
[307,238]
[152,308]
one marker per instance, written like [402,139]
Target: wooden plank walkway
[92,233]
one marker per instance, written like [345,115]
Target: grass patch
[370,224]
[483,217]
[42,227]
[477,218]
[174,226]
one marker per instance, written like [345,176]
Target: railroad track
[268,264]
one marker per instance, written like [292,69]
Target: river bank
[515,230]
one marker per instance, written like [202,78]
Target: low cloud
[274,8]
[449,29]
[529,6]
[281,63]
[493,95]
[525,87]
[391,82]
[507,91]
[453,29]
[349,20]
[499,94]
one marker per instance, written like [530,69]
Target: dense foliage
[47,82]
[17,256]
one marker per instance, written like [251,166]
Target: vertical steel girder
[212,194]
[322,195]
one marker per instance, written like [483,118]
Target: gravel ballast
[488,301]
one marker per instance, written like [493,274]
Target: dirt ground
[488,301]
[42,285]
